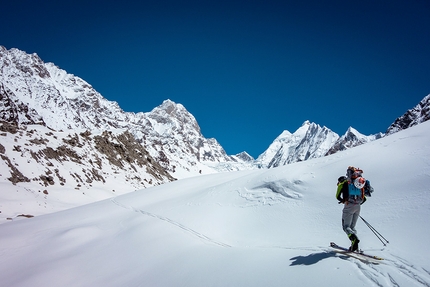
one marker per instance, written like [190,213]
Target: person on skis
[350,192]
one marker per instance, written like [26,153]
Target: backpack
[352,174]
[368,189]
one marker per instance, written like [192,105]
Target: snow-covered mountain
[350,139]
[313,141]
[244,156]
[178,144]
[34,92]
[309,141]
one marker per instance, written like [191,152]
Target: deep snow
[249,228]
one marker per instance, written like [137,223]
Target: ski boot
[354,242]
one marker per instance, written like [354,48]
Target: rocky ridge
[419,114]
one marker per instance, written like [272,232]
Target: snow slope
[248,228]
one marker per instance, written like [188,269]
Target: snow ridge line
[177,224]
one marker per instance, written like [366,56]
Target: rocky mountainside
[420,113]
[36,153]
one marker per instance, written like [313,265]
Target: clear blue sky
[247,70]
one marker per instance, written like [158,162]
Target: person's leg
[349,219]
[355,214]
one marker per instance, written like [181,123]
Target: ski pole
[377,234]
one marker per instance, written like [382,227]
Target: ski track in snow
[409,270]
[390,272]
[170,221]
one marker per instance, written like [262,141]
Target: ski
[352,253]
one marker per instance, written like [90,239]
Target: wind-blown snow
[248,228]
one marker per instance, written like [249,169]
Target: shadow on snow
[311,258]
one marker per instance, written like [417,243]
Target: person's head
[353,172]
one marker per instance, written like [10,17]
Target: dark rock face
[415,116]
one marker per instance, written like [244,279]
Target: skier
[350,192]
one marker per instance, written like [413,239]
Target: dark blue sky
[247,70]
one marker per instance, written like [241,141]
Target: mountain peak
[169,106]
[309,141]
[350,139]
[170,110]
[306,123]
[245,156]
[352,130]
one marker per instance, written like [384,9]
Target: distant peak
[169,106]
[352,130]
[308,124]
[284,134]
[245,156]
[168,102]
[171,109]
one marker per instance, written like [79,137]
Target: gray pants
[350,214]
